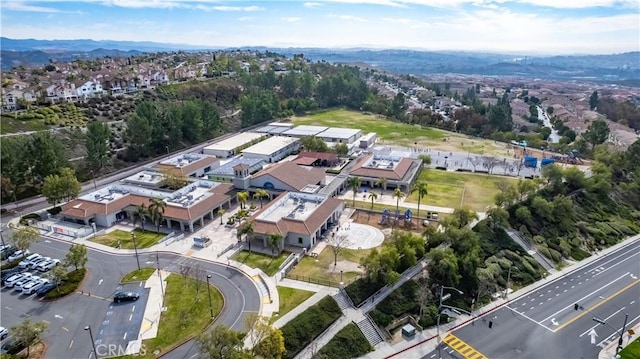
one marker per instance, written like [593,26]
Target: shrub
[10,265]
[71,283]
[347,343]
[362,288]
[304,328]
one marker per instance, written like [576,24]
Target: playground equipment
[385,216]
[531,162]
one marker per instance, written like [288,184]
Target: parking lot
[122,321]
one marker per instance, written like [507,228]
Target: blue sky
[515,26]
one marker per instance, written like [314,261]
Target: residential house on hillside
[89,89]
[63,91]
[10,99]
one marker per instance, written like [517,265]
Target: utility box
[408,331]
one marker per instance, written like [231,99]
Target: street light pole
[93,343]
[441,299]
[209,291]
[624,326]
[2,238]
[135,248]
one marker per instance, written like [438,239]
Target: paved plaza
[361,236]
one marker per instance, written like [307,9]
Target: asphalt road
[67,317]
[544,323]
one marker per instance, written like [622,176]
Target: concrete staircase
[368,329]
[342,300]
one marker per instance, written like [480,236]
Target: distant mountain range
[623,68]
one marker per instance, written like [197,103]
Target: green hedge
[71,283]
[361,289]
[348,343]
[10,265]
[304,328]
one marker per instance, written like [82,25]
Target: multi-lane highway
[66,337]
[545,324]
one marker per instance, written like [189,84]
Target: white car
[18,254]
[45,266]
[3,332]
[34,263]
[17,286]
[33,286]
[28,260]
[13,279]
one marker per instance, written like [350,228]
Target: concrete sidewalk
[609,352]
[388,199]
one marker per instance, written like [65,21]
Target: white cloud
[578,4]
[396,20]
[22,6]
[238,8]
[348,18]
[291,19]
[311,4]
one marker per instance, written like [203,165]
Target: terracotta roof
[191,167]
[293,175]
[80,208]
[285,225]
[397,173]
[305,161]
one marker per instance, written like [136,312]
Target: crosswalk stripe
[463,348]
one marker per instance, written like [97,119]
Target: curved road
[68,317]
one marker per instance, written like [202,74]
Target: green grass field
[388,131]
[289,298]
[321,268]
[446,189]
[138,275]
[269,265]
[631,351]
[144,239]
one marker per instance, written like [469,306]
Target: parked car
[24,263]
[17,286]
[19,254]
[46,265]
[34,263]
[11,272]
[125,297]
[46,288]
[3,332]
[12,347]
[6,252]
[13,279]
[33,286]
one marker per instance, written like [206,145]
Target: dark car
[125,297]
[9,272]
[45,289]
[6,252]
[12,347]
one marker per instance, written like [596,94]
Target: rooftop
[272,130]
[270,145]
[297,206]
[183,160]
[339,132]
[227,168]
[305,130]
[234,142]
[145,178]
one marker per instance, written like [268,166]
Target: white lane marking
[541,295]
[100,281]
[540,303]
[557,286]
[633,276]
[548,299]
[564,291]
[124,337]
[557,294]
[429,357]
[579,283]
[58,316]
[571,280]
[578,275]
[549,291]
[573,286]
[563,283]
[585,297]
[531,308]
[619,262]
[633,301]
[130,316]
[133,308]
[554,322]
[586,279]
[527,317]
[605,319]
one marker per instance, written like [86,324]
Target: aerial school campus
[346,234]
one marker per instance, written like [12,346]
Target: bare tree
[200,275]
[185,271]
[508,167]
[337,243]
[475,162]
[425,296]
[489,163]
[518,166]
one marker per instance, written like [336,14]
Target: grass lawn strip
[187,313]
[144,239]
[631,351]
[290,298]
[138,275]
[71,283]
[268,264]
[320,268]
[347,343]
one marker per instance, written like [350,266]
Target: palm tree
[423,190]
[274,242]
[156,210]
[372,196]
[260,194]
[247,230]
[221,211]
[398,194]
[382,182]
[354,184]
[140,214]
[243,197]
